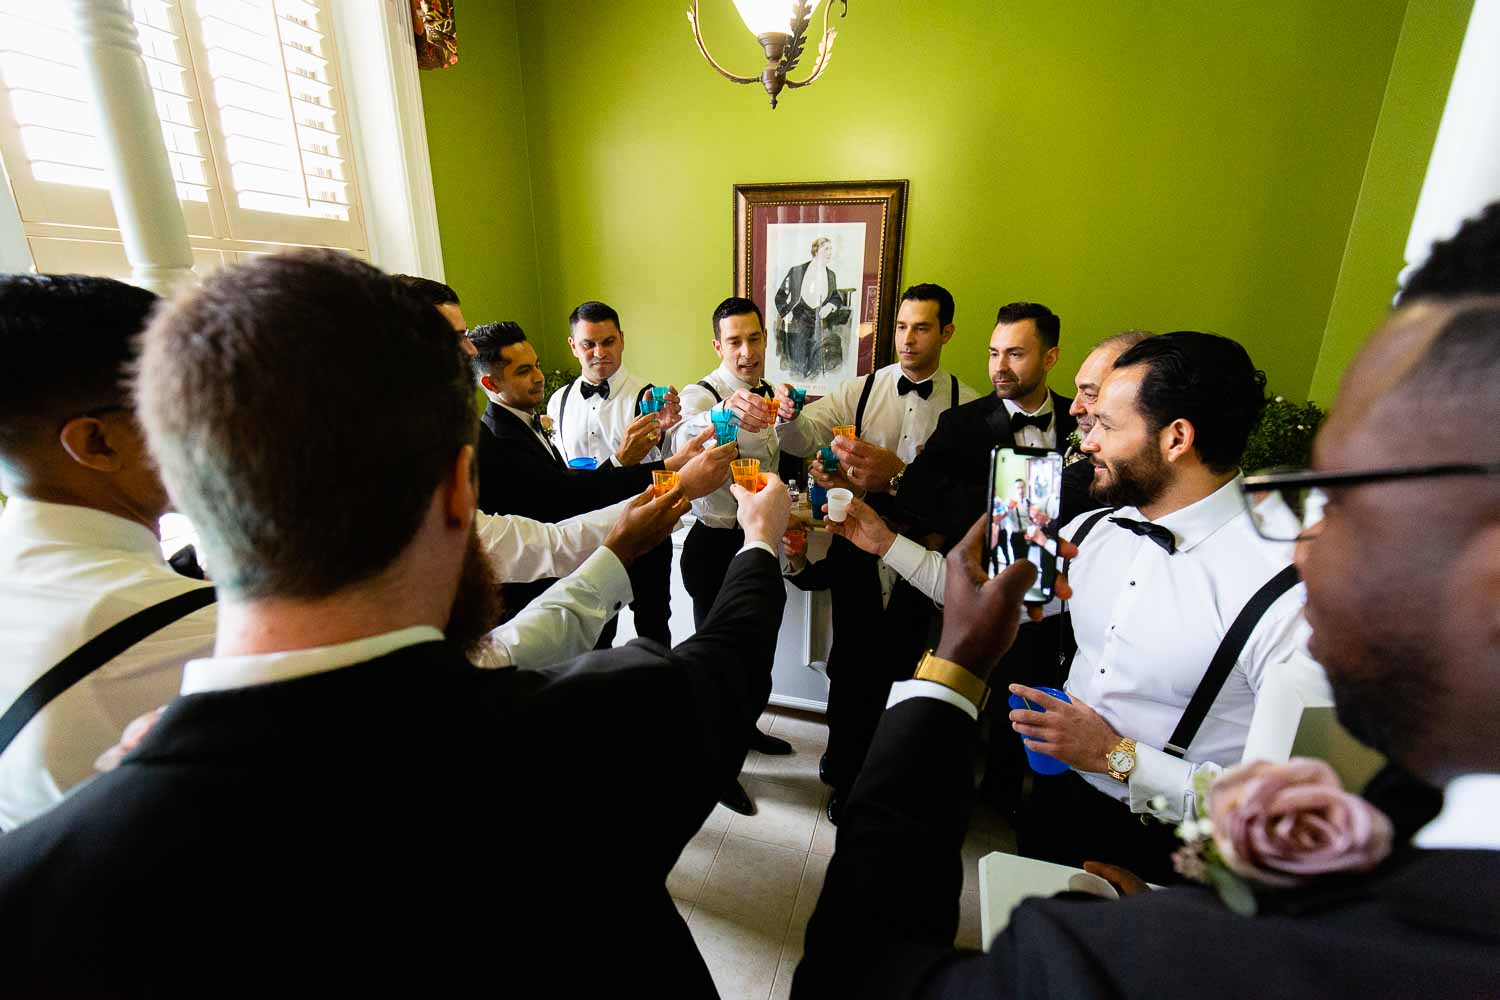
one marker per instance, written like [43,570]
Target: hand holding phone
[1025,495]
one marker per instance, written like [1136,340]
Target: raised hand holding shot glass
[746,472]
[726,423]
[752,411]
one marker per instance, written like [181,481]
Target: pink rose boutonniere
[1279,825]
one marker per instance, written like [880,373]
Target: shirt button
[1101,670]
[1132,583]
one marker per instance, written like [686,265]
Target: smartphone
[1025,498]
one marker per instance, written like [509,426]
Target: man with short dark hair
[80,549]
[271,798]
[598,416]
[735,390]
[1424,688]
[893,411]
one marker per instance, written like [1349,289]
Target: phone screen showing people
[1025,497]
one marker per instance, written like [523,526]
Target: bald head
[1091,373]
[1403,576]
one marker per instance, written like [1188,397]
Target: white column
[1463,175]
[141,186]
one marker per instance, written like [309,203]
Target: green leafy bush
[559,377]
[1284,436]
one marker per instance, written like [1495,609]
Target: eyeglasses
[1286,505]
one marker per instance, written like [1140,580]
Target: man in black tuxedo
[1424,688]
[807,304]
[522,472]
[339,801]
[948,486]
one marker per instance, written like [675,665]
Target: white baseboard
[784,701]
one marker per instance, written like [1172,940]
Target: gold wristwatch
[950,675]
[1120,761]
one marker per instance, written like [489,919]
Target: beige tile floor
[747,884]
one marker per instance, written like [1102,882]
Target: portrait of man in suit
[812,310]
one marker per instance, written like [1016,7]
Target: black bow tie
[1161,536]
[590,389]
[905,385]
[1041,421]
[764,390]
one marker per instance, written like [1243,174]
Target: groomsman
[598,415]
[947,487]
[892,410]
[738,387]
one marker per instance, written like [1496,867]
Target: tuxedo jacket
[1425,924]
[946,487]
[789,295]
[411,822]
[519,475]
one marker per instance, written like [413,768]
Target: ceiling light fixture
[781,28]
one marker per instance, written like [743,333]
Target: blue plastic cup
[726,424]
[1040,762]
[817,496]
[583,463]
[799,399]
[829,459]
[659,393]
[650,405]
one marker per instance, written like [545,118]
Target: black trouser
[873,647]
[651,582]
[1033,661]
[706,555]
[1068,821]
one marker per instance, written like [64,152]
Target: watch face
[1121,761]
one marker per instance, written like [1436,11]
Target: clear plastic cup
[838,503]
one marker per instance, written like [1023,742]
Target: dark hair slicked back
[1205,379]
[928,292]
[593,312]
[434,293]
[260,416]
[490,341]
[734,306]
[1048,325]
[66,339]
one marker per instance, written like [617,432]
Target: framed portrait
[823,262]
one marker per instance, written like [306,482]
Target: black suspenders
[864,399]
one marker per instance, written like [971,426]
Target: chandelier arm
[825,47]
[692,16]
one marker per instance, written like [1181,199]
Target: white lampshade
[764,17]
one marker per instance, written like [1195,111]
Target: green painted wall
[1159,163]
[481,173]
[1423,68]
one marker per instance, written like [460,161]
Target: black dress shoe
[737,799]
[835,807]
[823,770]
[771,746]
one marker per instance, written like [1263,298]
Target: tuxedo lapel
[1066,423]
[505,424]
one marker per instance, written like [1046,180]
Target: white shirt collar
[1015,407]
[1195,522]
[79,526]
[1467,822]
[223,673]
[614,381]
[521,415]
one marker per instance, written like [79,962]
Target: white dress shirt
[522,550]
[1148,623]
[225,673]
[595,427]
[718,509]
[1033,437]
[66,574]
[897,423]
[1467,821]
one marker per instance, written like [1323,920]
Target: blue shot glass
[726,424]
[799,399]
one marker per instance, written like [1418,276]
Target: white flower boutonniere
[547,425]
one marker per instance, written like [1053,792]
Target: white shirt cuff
[904,556]
[1158,773]
[758,545]
[902,690]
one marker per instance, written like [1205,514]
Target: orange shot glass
[662,482]
[773,408]
[746,472]
[844,430]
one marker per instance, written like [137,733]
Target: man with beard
[1418,681]
[1159,583]
[337,789]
